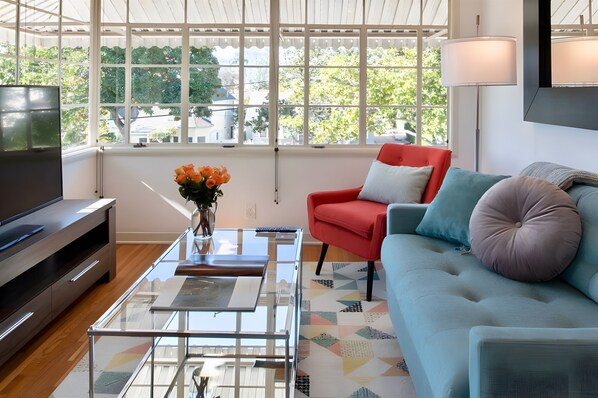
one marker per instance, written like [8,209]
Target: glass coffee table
[203,353]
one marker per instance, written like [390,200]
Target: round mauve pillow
[526,229]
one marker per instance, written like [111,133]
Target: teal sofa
[466,331]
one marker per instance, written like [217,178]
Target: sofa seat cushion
[442,293]
[356,215]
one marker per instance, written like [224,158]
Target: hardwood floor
[38,368]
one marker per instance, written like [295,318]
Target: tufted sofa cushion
[441,294]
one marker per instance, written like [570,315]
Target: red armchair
[338,218]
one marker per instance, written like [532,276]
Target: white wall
[149,207]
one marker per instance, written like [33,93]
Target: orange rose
[205,171]
[210,183]
[217,179]
[181,178]
[188,167]
[196,177]
[179,170]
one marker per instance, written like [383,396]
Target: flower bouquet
[201,186]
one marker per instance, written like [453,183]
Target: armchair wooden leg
[370,282]
[322,256]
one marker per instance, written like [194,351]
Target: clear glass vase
[203,221]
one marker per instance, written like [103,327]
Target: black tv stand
[17,234]
[43,274]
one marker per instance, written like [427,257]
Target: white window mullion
[363,48]
[94,70]
[306,54]
[128,81]
[273,75]
[419,79]
[185,82]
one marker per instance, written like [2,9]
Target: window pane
[156,49]
[8,70]
[156,85]
[214,11]
[334,86]
[112,85]
[155,124]
[397,86]
[391,124]
[256,85]
[292,11]
[384,51]
[290,125]
[433,93]
[76,10]
[75,126]
[392,12]
[257,11]
[333,125]
[214,50]
[8,20]
[434,126]
[213,85]
[112,50]
[292,51]
[114,11]
[334,12]
[39,72]
[335,51]
[74,84]
[214,124]
[256,125]
[142,11]
[291,85]
[257,50]
[111,129]
[431,57]
[435,12]
[75,47]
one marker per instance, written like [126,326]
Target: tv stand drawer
[72,285]
[24,324]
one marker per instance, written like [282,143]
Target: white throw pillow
[395,184]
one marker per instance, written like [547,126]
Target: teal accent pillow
[447,217]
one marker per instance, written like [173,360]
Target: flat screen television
[30,155]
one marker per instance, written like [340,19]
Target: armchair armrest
[533,362]
[403,218]
[344,195]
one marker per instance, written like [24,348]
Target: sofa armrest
[533,362]
[403,218]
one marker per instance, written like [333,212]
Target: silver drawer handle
[84,271]
[15,325]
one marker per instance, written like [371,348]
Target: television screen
[30,150]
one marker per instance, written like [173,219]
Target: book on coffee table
[223,265]
[181,293]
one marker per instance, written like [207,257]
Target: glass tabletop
[133,312]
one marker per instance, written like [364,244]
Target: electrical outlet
[250,210]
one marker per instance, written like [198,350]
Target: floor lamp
[479,61]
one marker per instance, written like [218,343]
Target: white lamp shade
[575,61]
[479,61]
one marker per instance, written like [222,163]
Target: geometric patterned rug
[347,345]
